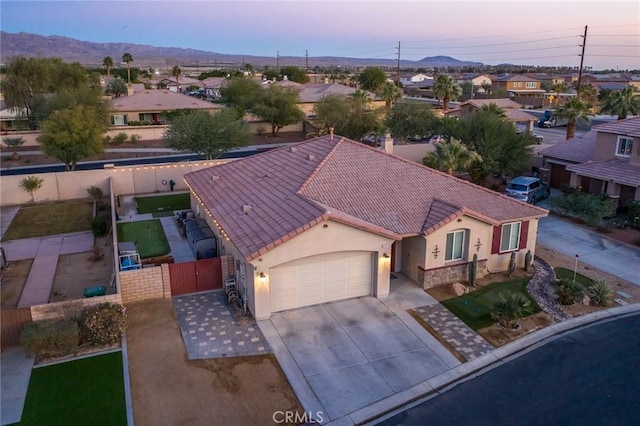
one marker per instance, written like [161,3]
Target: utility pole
[584,44]
[398,75]
[277,61]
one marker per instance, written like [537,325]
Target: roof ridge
[317,169]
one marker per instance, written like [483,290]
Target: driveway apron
[342,356]
[593,249]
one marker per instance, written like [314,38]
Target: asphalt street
[590,376]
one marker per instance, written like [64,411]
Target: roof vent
[246,208]
[311,157]
[292,149]
[214,178]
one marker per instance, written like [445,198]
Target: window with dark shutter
[524,234]
[495,243]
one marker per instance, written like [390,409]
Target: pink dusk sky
[538,32]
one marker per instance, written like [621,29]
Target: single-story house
[149,106]
[511,110]
[330,219]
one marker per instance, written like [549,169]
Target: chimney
[331,133]
[285,78]
[130,90]
[326,80]
[388,143]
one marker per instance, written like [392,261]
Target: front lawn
[40,220]
[567,274]
[474,309]
[83,392]
[148,236]
[163,205]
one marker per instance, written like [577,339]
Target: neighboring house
[477,80]
[310,94]
[330,219]
[604,161]
[522,89]
[212,87]
[150,105]
[12,118]
[511,110]
[409,78]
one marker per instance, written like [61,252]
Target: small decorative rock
[458,289]
[540,289]
[586,300]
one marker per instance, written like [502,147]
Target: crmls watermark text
[295,417]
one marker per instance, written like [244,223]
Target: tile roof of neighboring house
[519,116]
[540,76]
[618,169]
[313,92]
[500,103]
[213,82]
[183,81]
[627,127]
[159,100]
[610,86]
[292,188]
[578,149]
[608,77]
[288,83]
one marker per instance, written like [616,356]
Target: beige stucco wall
[143,133]
[68,307]
[606,144]
[126,180]
[413,152]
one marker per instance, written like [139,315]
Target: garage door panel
[320,279]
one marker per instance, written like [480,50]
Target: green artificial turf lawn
[474,309]
[164,203]
[567,274]
[83,392]
[149,236]
[39,220]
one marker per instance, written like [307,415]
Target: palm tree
[446,89]
[622,103]
[360,99]
[390,93]
[127,59]
[509,309]
[451,156]
[14,143]
[559,88]
[108,62]
[176,72]
[588,93]
[31,184]
[573,110]
[486,86]
[492,108]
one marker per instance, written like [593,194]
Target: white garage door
[320,279]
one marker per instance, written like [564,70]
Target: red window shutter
[524,234]
[495,243]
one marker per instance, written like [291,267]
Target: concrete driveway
[594,249]
[343,356]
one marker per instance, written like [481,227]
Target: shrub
[57,337]
[633,211]
[99,226]
[568,291]
[589,207]
[599,293]
[106,139]
[120,138]
[105,323]
[509,309]
[134,138]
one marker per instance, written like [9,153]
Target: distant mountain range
[92,54]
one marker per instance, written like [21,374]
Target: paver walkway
[463,339]
[210,329]
[180,249]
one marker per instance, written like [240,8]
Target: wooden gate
[191,277]
[13,321]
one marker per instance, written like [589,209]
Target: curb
[441,383]
[127,381]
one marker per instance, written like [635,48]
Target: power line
[505,44]
[513,51]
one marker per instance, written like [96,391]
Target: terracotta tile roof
[626,127]
[578,149]
[313,92]
[516,77]
[293,188]
[518,115]
[618,170]
[159,100]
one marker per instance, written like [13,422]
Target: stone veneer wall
[228,267]
[60,309]
[450,274]
[145,283]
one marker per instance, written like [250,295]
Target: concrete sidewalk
[15,368]
[593,249]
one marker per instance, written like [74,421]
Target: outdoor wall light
[386,256]
[262,276]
